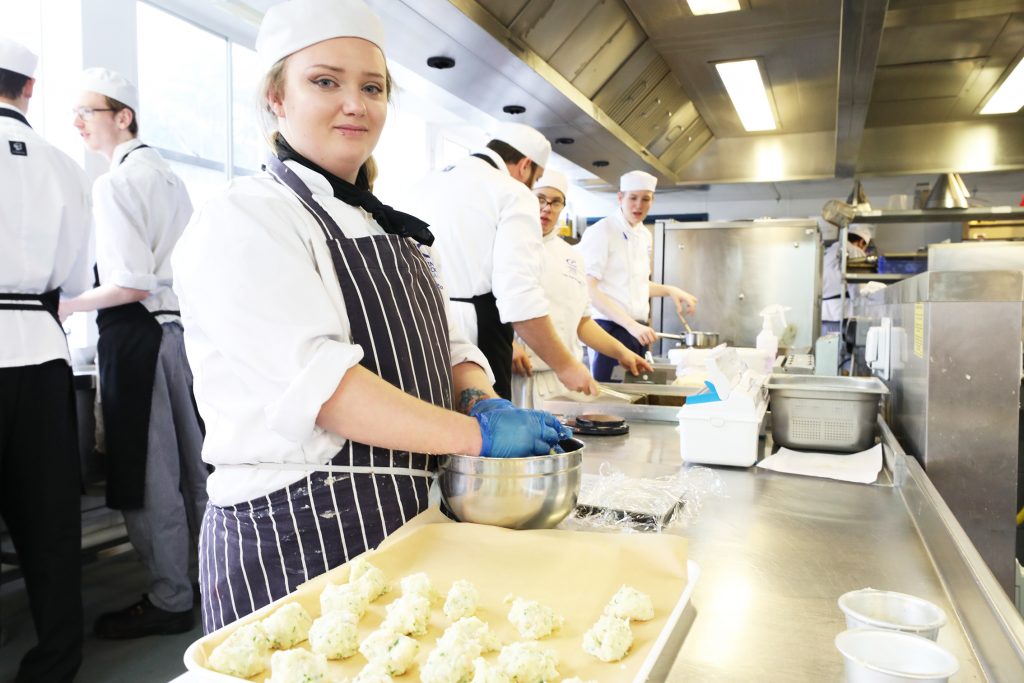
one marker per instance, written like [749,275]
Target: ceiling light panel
[699,7]
[747,91]
[1009,97]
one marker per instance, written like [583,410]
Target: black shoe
[142,619]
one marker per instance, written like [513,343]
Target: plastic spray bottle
[766,339]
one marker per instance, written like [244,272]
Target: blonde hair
[272,85]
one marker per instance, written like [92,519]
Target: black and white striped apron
[258,551]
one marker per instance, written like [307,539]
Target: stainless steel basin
[515,493]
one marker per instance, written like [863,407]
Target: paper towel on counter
[861,468]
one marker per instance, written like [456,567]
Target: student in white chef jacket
[154,467]
[859,236]
[617,251]
[565,284]
[318,330]
[45,249]
[485,220]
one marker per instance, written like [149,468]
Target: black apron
[126,356]
[258,551]
[493,337]
[18,301]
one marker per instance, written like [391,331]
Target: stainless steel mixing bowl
[516,493]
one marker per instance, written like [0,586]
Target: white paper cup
[870,608]
[876,656]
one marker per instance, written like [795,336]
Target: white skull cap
[113,85]
[291,26]
[17,58]
[556,180]
[865,231]
[526,140]
[637,180]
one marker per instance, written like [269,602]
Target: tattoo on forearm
[468,398]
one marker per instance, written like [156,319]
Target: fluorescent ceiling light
[1009,98]
[699,7]
[746,89]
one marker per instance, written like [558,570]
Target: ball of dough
[334,635]
[529,662]
[244,653]
[418,584]
[297,666]
[409,615]
[394,650]
[450,663]
[576,679]
[374,672]
[485,672]
[629,603]
[463,600]
[343,598]
[368,578]
[609,639]
[532,619]
[287,626]
[471,629]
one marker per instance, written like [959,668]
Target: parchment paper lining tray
[575,573]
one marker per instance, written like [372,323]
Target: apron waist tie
[20,301]
[344,469]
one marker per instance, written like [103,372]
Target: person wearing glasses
[565,285]
[318,327]
[485,219]
[155,473]
[45,231]
[617,251]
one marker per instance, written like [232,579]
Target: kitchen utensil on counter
[608,391]
[598,424]
[821,412]
[515,493]
[870,608]
[875,656]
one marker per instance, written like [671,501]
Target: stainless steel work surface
[776,552]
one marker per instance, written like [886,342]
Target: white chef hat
[556,180]
[113,85]
[291,26]
[17,58]
[528,141]
[637,180]
[863,230]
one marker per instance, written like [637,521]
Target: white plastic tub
[876,656]
[713,436]
[870,608]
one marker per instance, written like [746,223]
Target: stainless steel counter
[777,551]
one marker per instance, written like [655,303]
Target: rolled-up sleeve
[518,260]
[594,247]
[249,286]
[123,256]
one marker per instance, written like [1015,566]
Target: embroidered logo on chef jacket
[430,264]
[572,270]
[18,148]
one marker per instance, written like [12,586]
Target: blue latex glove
[518,433]
[489,404]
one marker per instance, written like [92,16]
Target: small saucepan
[694,339]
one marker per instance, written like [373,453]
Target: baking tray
[536,564]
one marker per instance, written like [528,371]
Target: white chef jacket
[565,285]
[45,239]
[619,256]
[831,282]
[141,209]
[266,329]
[487,230]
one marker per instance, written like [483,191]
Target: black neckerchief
[393,221]
[16,115]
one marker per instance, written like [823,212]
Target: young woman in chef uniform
[565,284]
[318,332]
[155,473]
